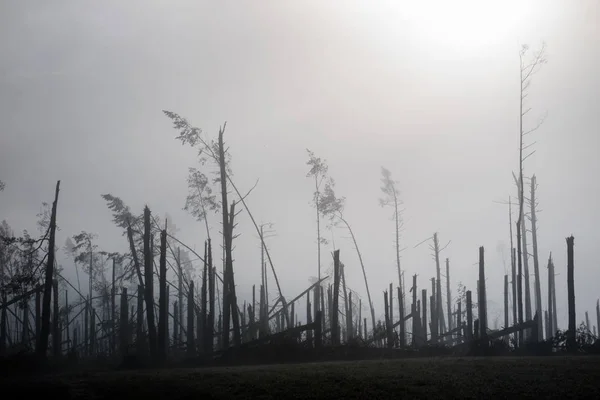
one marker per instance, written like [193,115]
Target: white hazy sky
[430,91]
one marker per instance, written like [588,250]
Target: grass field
[543,377]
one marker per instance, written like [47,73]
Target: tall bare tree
[392,199]
[528,67]
[318,171]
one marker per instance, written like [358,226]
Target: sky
[429,91]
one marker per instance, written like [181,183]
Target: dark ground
[477,378]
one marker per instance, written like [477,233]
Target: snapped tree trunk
[49,276]
[448,295]
[163,310]
[180,292]
[229,297]
[124,323]
[571,338]
[536,265]
[483,296]
[506,301]
[149,285]
[203,306]
[598,315]
[335,326]
[190,345]
[469,316]
[211,300]
[139,332]
[519,281]
[113,306]
[424,318]
[439,310]
[551,311]
[513,263]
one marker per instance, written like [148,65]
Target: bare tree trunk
[25,319]
[308,317]
[191,348]
[347,304]
[228,286]
[483,296]
[318,236]
[388,323]
[536,265]
[124,324]
[598,315]
[469,316]
[330,309]
[93,332]
[439,310]
[49,275]
[204,343]
[113,306]
[211,300]
[401,310]
[424,307]
[434,319]
[38,317]
[448,295]
[25,330]
[134,255]
[56,336]
[555,315]
[587,322]
[139,332]
[402,322]
[551,311]
[237,339]
[149,285]
[506,324]
[349,321]
[415,314]
[359,333]
[520,282]
[459,322]
[571,339]
[513,262]
[528,307]
[363,269]
[163,311]
[180,297]
[335,327]
[176,323]
[391,303]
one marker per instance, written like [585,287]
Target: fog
[83,86]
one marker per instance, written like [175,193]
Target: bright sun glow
[462,24]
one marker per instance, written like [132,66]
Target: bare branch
[417,245]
